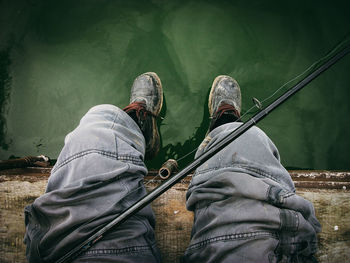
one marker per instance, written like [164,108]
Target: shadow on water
[179,150]
[5,81]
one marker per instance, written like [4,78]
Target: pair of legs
[245,209]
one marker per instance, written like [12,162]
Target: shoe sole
[155,148]
[216,80]
[158,83]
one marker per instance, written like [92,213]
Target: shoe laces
[140,109]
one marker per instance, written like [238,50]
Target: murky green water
[59,58]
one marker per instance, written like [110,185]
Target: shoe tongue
[140,100]
[135,105]
[231,102]
[227,107]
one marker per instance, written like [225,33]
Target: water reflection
[179,150]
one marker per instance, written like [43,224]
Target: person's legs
[98,174]
[245,209]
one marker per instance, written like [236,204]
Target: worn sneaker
[146,101]
[224,101]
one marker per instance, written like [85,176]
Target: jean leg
[98,174]
[244,203]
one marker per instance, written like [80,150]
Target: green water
[59,58]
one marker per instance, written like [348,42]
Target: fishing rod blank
[147,199]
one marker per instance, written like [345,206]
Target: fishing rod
[147,199]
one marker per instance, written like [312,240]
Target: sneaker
[146,101]
[224,101]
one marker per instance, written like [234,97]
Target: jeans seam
[261,172]
[297,222]
[280,217]
[112,155]
[287,194]
[126,250]
[267,193]
[230,237]
[284,225]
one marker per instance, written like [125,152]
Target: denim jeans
[244,201]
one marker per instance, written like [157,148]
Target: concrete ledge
[328,190]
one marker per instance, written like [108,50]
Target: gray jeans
[244,201]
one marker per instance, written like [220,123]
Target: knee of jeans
[103,108]
[103,112]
